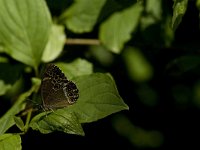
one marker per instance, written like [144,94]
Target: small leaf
[116,31]
[153,14]
[76,68]
[25,26]
[82,15]
[154,7]
[55,44]
[179,9]
[57,121]
[10,142]
[19,123]
[98,97]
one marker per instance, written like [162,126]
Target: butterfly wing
[56,90]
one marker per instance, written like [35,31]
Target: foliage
[29,38]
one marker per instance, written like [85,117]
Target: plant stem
[70,41]
[28,118]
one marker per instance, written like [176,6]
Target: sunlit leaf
[82,15]
[98,97]
[55,44]
[117,29]
[10,142]
[25,26]
[76,68]
[179,9]
[154,7]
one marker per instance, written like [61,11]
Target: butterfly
[56,90]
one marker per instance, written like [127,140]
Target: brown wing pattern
[56,90]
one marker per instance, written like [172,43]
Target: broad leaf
[98,97]
[25,26]
[179,9]
[82,15]
[57,121]
[55,44]
[76,68]
[116,31]
[10,142]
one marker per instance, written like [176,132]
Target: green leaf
[25,26]
[116,31]
[137,66]
[76,68]
[1,47]
[82,15]
[55,44]
[7,120]
[154,7]
[179,9]
[153,13]
[57,121]
[19,123]
[10,142]
[98,97]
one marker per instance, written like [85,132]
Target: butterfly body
[56,90]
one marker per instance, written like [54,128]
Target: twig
[70,41]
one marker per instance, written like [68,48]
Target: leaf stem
[70,41]
[28,118]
